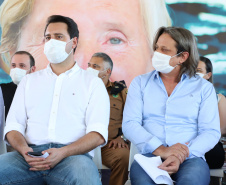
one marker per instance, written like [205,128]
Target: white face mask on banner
[55,51]
[201,74]
[17,74]
[161,62]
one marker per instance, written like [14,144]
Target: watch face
[122,136]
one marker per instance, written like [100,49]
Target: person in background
[22,63]
[115,154]
[216,156]
[172,113]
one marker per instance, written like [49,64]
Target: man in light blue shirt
[172,113]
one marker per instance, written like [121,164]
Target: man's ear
[109,71]
[75,42]
[208,75]
[184,57]
[33,68]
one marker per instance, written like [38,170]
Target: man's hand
[118,142]
[171,165]
[35,163]
[55,156]
[179,150]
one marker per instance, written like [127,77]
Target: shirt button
[113,104]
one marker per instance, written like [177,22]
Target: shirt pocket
[116,110]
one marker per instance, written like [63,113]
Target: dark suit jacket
[8,91]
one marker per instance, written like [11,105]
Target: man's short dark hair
[32,60]
[105,58]
[72,27]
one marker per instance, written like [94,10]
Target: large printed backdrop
[207,20]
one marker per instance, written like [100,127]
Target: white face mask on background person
[95,72]
[201,74]
[17,74]
[161,62]
[102,77]
[92,71]
[55,51]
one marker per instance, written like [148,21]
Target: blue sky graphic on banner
[206,19]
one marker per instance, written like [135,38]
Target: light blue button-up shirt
[190,114]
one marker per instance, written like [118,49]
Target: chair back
[2,125]
[133,151]
[97,159]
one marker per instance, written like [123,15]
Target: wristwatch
[122,136]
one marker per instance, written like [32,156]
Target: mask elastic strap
[71,48]
[177,54]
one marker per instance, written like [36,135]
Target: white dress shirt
[59,109]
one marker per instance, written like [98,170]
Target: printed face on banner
[113,27]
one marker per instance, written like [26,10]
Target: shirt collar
[183,77]
[109,84]
[69,72]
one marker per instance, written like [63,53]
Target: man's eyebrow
[96,65]
[54,34]
[58,34]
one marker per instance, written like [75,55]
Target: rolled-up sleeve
[132,120]
[98,110]
[208,124]
[17,117]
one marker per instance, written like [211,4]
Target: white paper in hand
[150,166]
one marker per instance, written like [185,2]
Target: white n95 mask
[161,62]
[17,74]
[92,71]
[55,51]
[201,74]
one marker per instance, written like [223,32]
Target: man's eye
[115,41]
[47,38]
[164,50]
